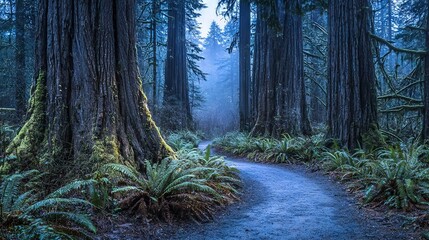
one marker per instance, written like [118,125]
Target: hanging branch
[402,97]
[403,108]
[397,49]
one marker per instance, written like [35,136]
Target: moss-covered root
[31,136]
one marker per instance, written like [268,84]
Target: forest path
[289,203]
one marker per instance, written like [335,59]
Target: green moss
[106,151]
[27,143]
[164,150]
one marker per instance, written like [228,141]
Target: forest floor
[285,202]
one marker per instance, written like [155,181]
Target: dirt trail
[289,203]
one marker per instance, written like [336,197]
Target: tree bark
[88,107]
[352,106]
[176,94]
[244,62]
[279,71]
[292,114]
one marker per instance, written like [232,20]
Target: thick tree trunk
[292,114]
[88,106]
[279,71]
[176,94]
[352,106]
[426,84]
[244,48]
[20,86]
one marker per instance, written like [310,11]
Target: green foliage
[395,176]
[97,190]
[183,140]
[399,179]
[189,187]
[286,150]
[25,215]
[7,133]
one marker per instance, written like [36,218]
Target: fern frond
[79,219]
[73,186]
[57,202]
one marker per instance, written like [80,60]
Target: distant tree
[176,93]
[315,63]
[213,41]
[352,103]
[245,76]
[21,85]
[88,106]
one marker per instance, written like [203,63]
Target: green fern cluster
[285,150]
[24,214]
[189,187]
[183,140]
[397,176]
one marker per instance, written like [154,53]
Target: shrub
[399,178]
[24,215]
[183,139]
[189,187]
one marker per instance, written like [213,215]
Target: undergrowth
[192,185]
[396,176]
[183,140]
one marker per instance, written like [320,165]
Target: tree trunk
[292,113]
[244,48]
[352,106]
[88,107]
[279,71]
[20,86]
[176,94]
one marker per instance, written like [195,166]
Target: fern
[197,181]
[26,216]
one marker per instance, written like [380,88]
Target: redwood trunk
[88,107]
[244,47]
[176,94]
[279,71]
[352,106]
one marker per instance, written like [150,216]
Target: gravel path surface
[290,203]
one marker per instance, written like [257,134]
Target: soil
[286,202]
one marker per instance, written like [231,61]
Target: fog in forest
[214,119]
[218,111]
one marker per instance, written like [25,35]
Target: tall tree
[88,106]
[154,42]
[244,73]
[176,93]
[279,70]
[352,105]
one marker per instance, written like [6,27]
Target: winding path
[289,203]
